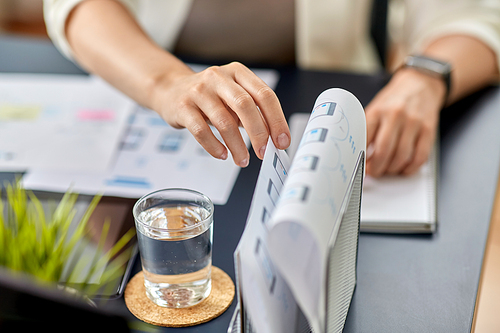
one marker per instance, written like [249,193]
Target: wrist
[416,83]
[162,80]
[431,67]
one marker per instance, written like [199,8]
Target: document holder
[296,261]
[341,274]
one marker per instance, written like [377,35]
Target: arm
[106,40]
[403,117]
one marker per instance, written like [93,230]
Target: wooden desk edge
[486,317]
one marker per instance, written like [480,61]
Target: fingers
[270,108]
[197,125]
[243,105]
[400,145]
[401,123]
[255,105]
[373,120]
[222,119]
[226,97]
[405,148]
[384,144]
[422,151]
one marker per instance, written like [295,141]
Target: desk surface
[416,283]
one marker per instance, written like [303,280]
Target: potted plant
[48,244]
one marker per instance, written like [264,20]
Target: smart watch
[433,67]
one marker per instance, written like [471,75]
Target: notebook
[391,204]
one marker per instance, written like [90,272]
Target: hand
[225,97]
[402,123]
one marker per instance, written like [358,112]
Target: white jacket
[330,34]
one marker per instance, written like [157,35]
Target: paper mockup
[297,255]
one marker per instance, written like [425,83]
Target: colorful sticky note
[19,112]
[95,115]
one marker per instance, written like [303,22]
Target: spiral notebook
[392,204]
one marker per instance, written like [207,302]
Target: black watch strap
[431,66]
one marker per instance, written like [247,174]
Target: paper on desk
[402,203]
[295,213]
[268,300]
[153,155]
[59,122]
[308,213]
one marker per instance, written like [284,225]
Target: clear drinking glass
[174,231]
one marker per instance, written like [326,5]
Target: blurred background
[22,17]
[25,18]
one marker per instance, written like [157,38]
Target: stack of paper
[297,254]
[77,132]
[60,123]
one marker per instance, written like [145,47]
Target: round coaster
[214,305]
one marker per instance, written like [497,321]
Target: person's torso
[257,31]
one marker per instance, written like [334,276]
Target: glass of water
[174,231]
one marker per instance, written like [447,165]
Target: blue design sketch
[266,265]
[295,193]
[314,135]
[170,142]
[280,169]
[273,192]
[325,109]
[133,139]
[305,163]
[128,182]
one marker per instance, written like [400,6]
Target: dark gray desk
[406,283]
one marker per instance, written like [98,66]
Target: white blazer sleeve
[428,20]
[56,12]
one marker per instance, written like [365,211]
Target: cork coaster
[214,305]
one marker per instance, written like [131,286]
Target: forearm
[474,64]
[107,41]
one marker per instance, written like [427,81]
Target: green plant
[42,243]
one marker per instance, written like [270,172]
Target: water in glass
[176,263]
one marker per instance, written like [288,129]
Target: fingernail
[283,141]
[223,156]
[262,151]
[244,163]
[369,151]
